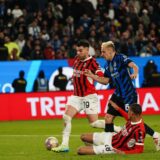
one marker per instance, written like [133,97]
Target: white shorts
[102,143]
[88,103]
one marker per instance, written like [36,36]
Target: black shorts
[120,102]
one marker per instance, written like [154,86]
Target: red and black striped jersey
[131,138]
[84,85]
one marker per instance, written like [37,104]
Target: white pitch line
[56,135]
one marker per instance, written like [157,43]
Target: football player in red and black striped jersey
[130,140]
[84,96]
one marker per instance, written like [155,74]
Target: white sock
[66,130]
[98,124]
[156,135]
[117,128]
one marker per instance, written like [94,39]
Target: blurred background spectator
[19,84]
[151,75]
[41,83]
[60,80]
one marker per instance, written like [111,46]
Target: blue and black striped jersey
[117,70]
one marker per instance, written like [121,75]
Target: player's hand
[118,151]
[114,105]
[133,76]
[88,73]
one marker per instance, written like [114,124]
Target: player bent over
[84,97]
[130,140]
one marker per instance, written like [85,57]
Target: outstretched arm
[137,149]
[120,110]
[135,70]
[102,80]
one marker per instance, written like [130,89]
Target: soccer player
[130,140]
[116,71]
[84,97]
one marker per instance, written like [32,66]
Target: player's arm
[137,149]
[100,79]
[139,144]
[120,110]
[135,70]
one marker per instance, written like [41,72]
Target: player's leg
[94,121]
[92,150]
[109,126]
[97,138]
[67,117]
[72,108]
[90,103]
[111,114]
[101,144]
[87,138]
[86,150]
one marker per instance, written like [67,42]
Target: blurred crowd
[49,29]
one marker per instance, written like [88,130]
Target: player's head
[60,70]
[108,50]
[82,49]
[135,111]
[21,74]
[41,74]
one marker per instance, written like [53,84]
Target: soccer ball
[51,142]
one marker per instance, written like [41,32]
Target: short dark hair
[21,74]
[60,69]
[41,74]
[136,108]
[83,43]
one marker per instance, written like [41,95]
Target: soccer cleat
[61,148]
[157,140]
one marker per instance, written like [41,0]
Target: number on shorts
[107,147]
[86,104]
[126,107]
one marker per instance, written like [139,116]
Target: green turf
[24,140]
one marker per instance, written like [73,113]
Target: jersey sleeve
[139,136]
[96,69]
[125,60]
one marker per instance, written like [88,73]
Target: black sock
[149,130]
[109,127]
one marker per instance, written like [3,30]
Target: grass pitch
[24,140]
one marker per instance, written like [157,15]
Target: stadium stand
[34,26]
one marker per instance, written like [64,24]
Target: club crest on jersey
[77,73]
[131,143]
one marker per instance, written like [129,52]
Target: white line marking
[56,135]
